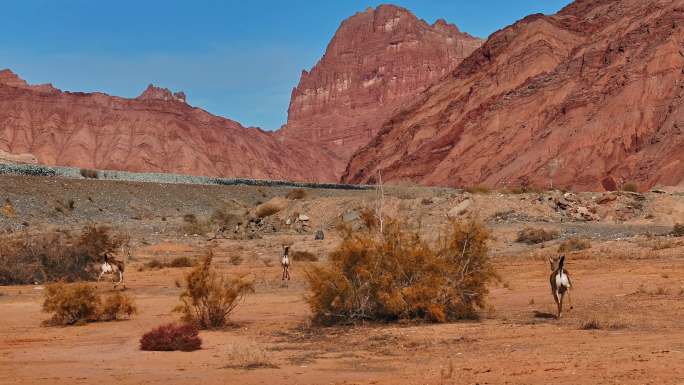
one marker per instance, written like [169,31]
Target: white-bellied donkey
[560,282]
[113,266]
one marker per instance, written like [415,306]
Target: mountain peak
[153,92]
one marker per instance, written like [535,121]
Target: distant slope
[157,132]
[585,98]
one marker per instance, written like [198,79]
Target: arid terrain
[625,326]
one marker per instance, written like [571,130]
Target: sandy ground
[514,342]
[632,285]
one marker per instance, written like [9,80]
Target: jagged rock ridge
[592,94]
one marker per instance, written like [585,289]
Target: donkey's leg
[560,304]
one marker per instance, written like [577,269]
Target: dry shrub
[369,218]
[78,303]
[243,356]
[478,189]
[304,256]
[88,173]
[574,244]
[601,323]
[271,207]
[295,194]
[181,262]
[8,210]
[194,226]
[117,306]
[532,235]
[678,230]
[172,337]
[209,297]
[630,186]
[235,259]
[397,275]
[55,255]
[155,264]
[71,303]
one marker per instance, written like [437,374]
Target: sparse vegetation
[574,244]
[172,337]
[235,259]
[8,209]
[678,230]
[177,262]
[55,255]
[301,255]
[397,275]
[271,207]
[194,226]
[89,174]
[209,297]
[79,303]
[65,206]
[532,235]
[243,356]
[295,194]
[479,189]
[601,323]
[71,303]
[117,306]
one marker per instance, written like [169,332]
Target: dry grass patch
[305,256]
[574,244]
[678,230]
[271,207]
[247,356]
[209,297]
[597,322]
[296,194]
[478,189]
[533,235]
[397,275]
[8,209]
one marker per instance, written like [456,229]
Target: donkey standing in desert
[285,262]
[560,282]
[113,266]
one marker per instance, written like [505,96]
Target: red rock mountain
[378,61]
[157,131]
[583,98]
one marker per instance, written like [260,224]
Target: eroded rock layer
[592,94]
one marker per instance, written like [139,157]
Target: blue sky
[235,58]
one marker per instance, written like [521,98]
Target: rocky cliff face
[580,99]
[156,132]
[377,61]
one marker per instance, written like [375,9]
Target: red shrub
[172,337]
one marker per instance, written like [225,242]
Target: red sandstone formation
[592,94]
[378,61]
[157,131]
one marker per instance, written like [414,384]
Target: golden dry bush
[678,230]
[8,209]
[397,275]
[533,235]
[78,303]
[117,306]
[271,207]
[71,303]
[209,297]
[369,218]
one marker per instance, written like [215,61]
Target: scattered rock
[319,235]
